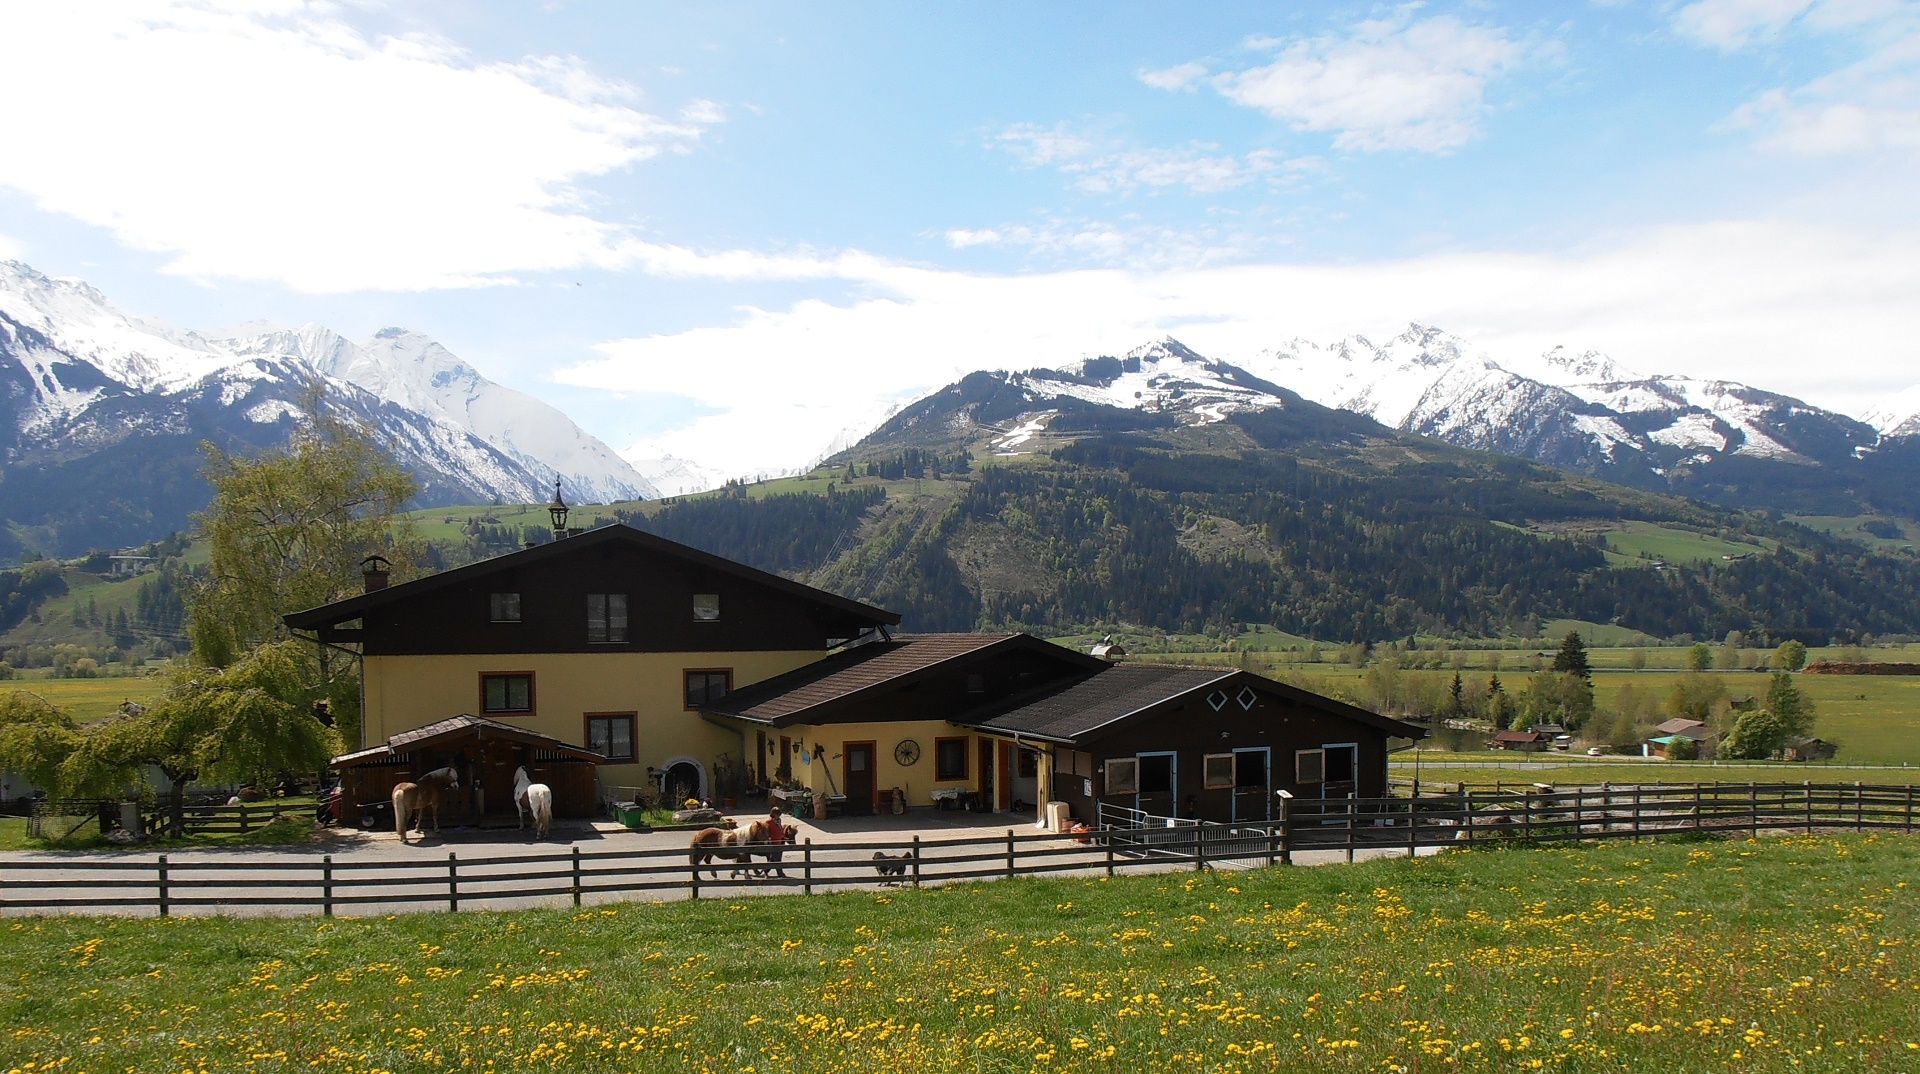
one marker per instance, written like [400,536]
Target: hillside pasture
[87,700]
[1644,541]
[1785,954]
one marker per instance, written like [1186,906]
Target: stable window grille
[706,607]
[504,607]
[1310,766]
[611,736]
[606,618]
[1218,770]
[949,758]
[706,687]
[506,693]
[1123,776]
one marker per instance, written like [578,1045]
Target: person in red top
[776,830]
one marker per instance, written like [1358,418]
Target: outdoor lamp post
[558,510]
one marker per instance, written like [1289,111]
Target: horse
[413,801]
[738,845]
[535,798]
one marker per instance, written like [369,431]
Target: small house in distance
[1680,737]
[1517,740]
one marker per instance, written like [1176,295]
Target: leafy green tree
[1500,704]
[1572,657]
[1793,708]
[1756,736]
[288,529]
[1790,656]
[1696,697]
[1456,700]
[1700,657]
[35,737]
[247,722]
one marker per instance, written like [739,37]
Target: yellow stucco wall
[916,780]
[404,692]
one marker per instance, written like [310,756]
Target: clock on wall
[907,752]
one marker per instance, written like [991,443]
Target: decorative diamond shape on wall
[1247,697]
[1218,699]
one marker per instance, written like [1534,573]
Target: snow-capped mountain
[1898,416]
[673,476]
[99,403]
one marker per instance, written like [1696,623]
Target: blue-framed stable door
[1158,791]
[1253,783]
[1342,770]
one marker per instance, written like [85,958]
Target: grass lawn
[296,827]
[1674,545]
[1783,954]
[87,700]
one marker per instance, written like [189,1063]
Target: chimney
[375,573]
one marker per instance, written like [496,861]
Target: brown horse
[737,845]
[413,801]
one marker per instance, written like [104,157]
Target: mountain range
[1718,441]
[102,413]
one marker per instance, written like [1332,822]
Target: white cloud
[279,143]
[1732,24]
[1869,105]
[1390,83]
[1097,169]
[12,249]
[1181,76]
[1821,313]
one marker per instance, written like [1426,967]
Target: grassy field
[87,700]
[1854,529]
[1792,954]
[1641,540]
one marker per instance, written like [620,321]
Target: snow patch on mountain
[1898,415]
[1163,376]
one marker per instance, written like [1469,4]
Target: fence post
[1009,853]
[1909,809]
[326,886]
[1273,843]
[1636,812]
[1413,829]
[162,863]
[453,882]
[1108,840]
[1349,831]
[576,876]
[806,866]
[1466,797]
[1699,822]
[1199,849]
[1286,831]
[1526,816]
[1753,808]
[916,859]
[1859,809]
[1806,795]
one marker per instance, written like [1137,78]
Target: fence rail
[1128,841]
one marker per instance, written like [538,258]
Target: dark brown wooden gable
[660,590]
[947,692]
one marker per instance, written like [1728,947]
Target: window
[1218,770]
[606,618]
[504,607]
[1341,761]
[950,758]
[1310,766]
[1123,776]
[976,683]
[1156,773]
[1072,763]
[1029,764]
[706,607]
[707,686]
[507,692]
[1251,770]
[610,734]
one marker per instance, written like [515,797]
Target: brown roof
[1086,709]
[1686,728]
[455,729]
[341,611]
[880,665]
[1519,736]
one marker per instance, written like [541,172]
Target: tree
[1500,704]
[1456,701]
[1696,697]
[1786,702]
[1790,656]
[35,737]
[1572,657]
[250,721]
[1700,657]
[1756,736]
[288,529]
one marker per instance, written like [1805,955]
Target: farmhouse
[616,660]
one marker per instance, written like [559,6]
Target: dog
[890,865]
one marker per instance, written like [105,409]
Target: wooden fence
[1323,830]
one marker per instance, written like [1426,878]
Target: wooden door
[1252,783]
[1159,791]
[986,775]
[1342,770]
[857,777]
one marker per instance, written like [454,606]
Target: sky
[734,231]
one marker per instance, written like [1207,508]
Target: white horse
[415,800]
[535,798]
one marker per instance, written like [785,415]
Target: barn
[485,753]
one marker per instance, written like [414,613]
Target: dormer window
[504,607]
[706,607]
[606,618]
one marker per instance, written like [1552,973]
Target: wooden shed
[485,753]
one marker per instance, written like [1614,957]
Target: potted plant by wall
[726,780]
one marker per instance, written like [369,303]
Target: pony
[413,801]
[739,846]
[535,798]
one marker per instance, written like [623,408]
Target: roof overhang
[460,731]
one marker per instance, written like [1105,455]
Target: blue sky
[732,230]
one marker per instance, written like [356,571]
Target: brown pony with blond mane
[738,845]
[413,801]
